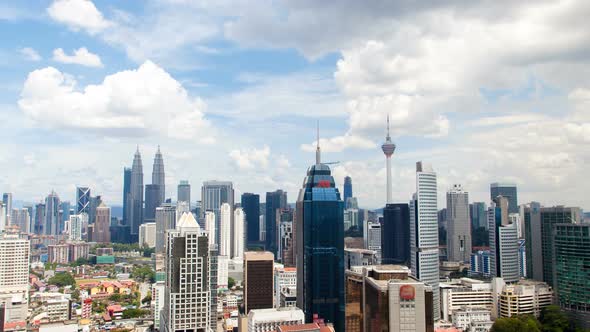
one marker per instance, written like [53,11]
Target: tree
[146,299]
[231,282]
[134,313]
[144,272]
[554,320]
[62,279]
[523,323]
[80,261]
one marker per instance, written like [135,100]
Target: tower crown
[388,147]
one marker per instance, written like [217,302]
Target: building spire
[317,151]
[388,138]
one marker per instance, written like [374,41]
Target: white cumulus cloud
[78,14]
[143,101]
[80,56]
[340,143]
[251,158]
[30,54]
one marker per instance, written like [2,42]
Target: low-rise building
[268,320]
[524,297]
[359,257]
[465,293]
[285,278]
[58,310]
[472,319]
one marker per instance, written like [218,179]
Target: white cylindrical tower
[238,249]
[388,148]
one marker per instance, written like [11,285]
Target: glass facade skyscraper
[82,200]
[478,215]
[395,234]
[503,241]
[507,190]
[276,200]
[347,188]
[320,247]
[126,194]
[251,207]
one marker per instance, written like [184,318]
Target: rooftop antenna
[317,151]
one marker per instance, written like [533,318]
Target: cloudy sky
[483,90]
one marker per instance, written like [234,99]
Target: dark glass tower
[251,207]
[82,199]
[126,194]
[395,234]
[507,190]
[347,188]
[136,196]
[320,247]
[158,176]
[152,201]
[276,200]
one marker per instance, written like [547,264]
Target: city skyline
[228,79]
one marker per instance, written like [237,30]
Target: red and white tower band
[388,148]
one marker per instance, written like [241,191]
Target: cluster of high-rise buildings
[322,260]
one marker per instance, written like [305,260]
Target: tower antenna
[317,151]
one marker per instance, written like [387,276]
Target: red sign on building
[323,184]
[407,292]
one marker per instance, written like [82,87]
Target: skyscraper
[225,242]
[251,206]
[165,220]
[276,200]
[538,230]
[388,149]
[101,232]
[39,223]
[210,227]
[347,188]
[7,201]
[152,201]
[213,194]
[320,246]
[507,190]
[51,214]
[258,280]
[503,241]
[571,269]
[136,196]
[187,292]
[395,234]
[158,176]
[22,219]
[458,225]
[82,200]
[184,192]
[424,232]
[478,214]
[14,277]
[238,247]
[126,196]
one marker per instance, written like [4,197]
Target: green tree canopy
[62,279]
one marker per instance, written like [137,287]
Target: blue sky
[233,89]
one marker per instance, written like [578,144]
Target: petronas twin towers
[155,196]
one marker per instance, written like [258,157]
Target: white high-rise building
[147,234]
[158,297]
[458,225]
[210,227]
[373,239]
[22,219]
[225,230]
[75,226]
[238,248]
[424,232]
[14,277]
[165,220]
[222,272]
[503,241]
[187,290]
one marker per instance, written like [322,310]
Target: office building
[51,217]
[225,244]
[319,241]
[102,232]
[153,193]
[522,258]
[136,196]
[286,245]
[373,239]
[359,257]
[184,192]
[465,293]
[21,219]
[147,234]
[213,195]
[222,272]
[285,279]
[388,149]
[14,277]
[58,310]
[478,214]
[395,234]
[538,224]
[7,202]
[210,225]
[347,188]
[480,264]
[571,266]
[503,241]
[424,232]
[75,226]
[187,290]
[3,217]
[472,319]
[66,211]
[458,225]
[95,202]
[251,206]
[82,200]
[239,245]
[258,280]
[275,202]
[158,299]
[159,177]
[527,297]
[507,190]
[126,196]
[39,226]
[269,320]
[165,220]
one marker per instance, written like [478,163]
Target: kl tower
[388,148]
